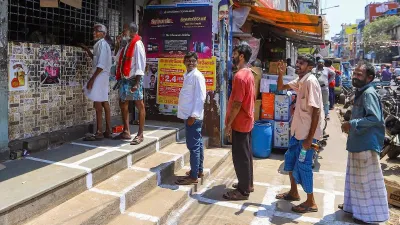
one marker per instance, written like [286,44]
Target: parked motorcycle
[391,145]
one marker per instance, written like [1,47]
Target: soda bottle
[302,155]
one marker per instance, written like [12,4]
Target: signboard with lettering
[170,78]
[373,10]
[171,32]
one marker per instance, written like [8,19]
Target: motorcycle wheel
[342,99]
[393,154]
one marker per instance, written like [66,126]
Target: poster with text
[170,78]
[171,32]
[18,75]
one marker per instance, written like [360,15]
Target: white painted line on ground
[176,187]
[72,166]
[157,141]
[97,155]
[145,217]
[87,145]
[329,198]
[137,183]
[152,132]
[129,160]
[89,180]
[140,169]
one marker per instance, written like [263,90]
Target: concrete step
[159,205]
[47,179]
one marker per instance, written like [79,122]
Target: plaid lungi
[365,194]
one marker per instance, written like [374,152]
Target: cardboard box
[257,110]
[393,192]
[282,107]
[273,68]
[267,106]
[257,72]
[281,134]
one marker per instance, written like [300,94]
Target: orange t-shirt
[242,91]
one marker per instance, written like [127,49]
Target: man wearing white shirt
[324,76]
[131,64]
[96,89]
[191,109]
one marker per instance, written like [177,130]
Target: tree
[377,39]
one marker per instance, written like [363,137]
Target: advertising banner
[18,75]
[170,78]
[172,32]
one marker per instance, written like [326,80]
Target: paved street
[208,206]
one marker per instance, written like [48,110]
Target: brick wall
[51,107]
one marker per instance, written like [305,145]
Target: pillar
[4,150]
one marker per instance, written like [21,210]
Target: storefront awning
[307,25]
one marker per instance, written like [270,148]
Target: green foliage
[376,38]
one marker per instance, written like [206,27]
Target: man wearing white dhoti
[365,194]
[97,88]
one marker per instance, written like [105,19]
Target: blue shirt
[386,75]
[367,126]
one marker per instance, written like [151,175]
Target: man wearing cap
[324,76]
[96,89]
[131,64]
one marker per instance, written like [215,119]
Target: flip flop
[93,137]
[186,181]
[137,140]
[200,175]
[134,122]
[235,185]
[287,197]
[235,195]
[303,209]
[122,136]
[107,134]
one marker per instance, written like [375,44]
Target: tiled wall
[46,108]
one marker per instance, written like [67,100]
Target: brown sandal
[235,185]
[303,209]
[235,195]
[122,136]
[137,140]
[107,134]
[186,181]
[93,137]
[286,196]
[200,174]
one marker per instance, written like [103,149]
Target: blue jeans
[194,142]
[331,97]
[302,171]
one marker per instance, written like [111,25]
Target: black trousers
[242,160]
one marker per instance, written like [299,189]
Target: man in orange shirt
[239,123]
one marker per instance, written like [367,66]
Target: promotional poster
[172,32]
[18,75]
[170,78]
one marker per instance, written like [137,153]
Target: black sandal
[303,209]
[235,185]
[93,137]
[286,196]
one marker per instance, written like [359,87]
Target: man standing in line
[239,123]
[324,76]
[191,109]
[131,64]
[97,88]
[306,128]
[365,194]
[332,83]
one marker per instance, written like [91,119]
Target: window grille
[65,25]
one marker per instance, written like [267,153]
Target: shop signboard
[374,10]
[171,32]
[170,78]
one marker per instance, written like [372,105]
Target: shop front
[273,36]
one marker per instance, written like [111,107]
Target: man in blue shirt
[386,74]
[365,194]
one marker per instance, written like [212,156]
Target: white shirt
[192,96]
[138,65]
[323,78]
[102,57]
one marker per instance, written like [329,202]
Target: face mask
[358,83]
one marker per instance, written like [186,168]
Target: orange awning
[307,24]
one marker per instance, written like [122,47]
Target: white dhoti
[365,193]
[100,89]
